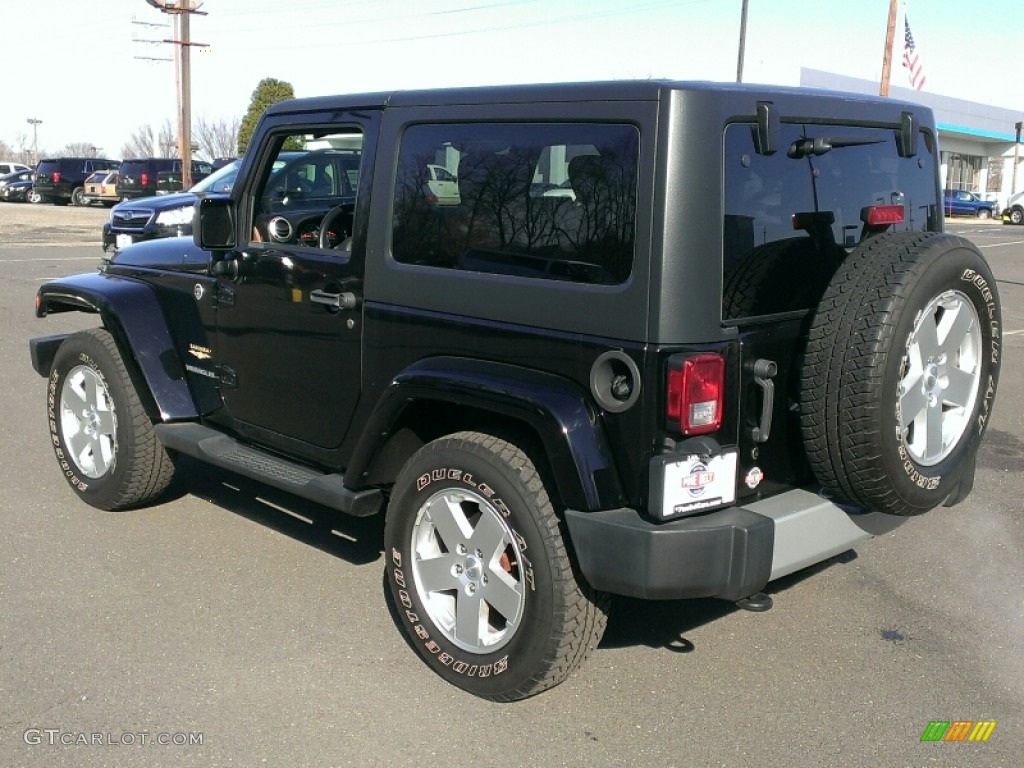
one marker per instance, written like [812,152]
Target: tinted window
[549,201]
[792,216]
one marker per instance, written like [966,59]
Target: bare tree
[216,138]
[79,149]
[140,143]
[145,143]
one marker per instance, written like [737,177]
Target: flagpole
[890,36]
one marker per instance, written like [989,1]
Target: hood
[158,202]
[180,253]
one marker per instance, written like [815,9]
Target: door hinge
[227,376]
[223,296]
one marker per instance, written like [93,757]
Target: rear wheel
[1016,216]
[984,213]
[900,372]
[102,436]
[78,196]
[477,563]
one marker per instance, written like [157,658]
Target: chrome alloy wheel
[940,378]
[468,571]
[88,423]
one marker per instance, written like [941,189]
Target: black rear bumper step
[224,451]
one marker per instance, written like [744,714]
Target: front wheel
[1016,216]
[102,436]
[78,196]
[984,213]
[482,579]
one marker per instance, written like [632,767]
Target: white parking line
[1000,245]
[1013,333]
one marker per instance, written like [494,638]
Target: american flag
[910,58]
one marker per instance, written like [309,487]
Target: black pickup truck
[655,339]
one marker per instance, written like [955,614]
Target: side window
[308,189]
[791,217]
[543,200]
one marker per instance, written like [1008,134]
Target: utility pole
[1016,157]
[743,42]
[35,122]
[181,11]
[890,38]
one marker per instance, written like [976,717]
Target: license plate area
[123,241]
[692,483]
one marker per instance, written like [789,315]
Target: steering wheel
[327,240]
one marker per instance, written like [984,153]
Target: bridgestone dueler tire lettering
[119,463]
[866,330]
[457,491]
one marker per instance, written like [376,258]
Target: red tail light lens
[144,179]
[56,177]
[881,215]
[695,392]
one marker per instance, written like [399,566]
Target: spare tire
[899,372]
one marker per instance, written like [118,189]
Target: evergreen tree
[269,91]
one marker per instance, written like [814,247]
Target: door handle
[343,300]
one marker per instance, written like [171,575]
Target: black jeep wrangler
[654,339]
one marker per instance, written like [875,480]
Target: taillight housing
[144,179]
[56,177]
[694,393]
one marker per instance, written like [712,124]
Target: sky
[80,66]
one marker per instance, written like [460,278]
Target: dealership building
[977,142]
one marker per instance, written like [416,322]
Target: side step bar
[224,451]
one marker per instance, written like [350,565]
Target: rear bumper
[730,553]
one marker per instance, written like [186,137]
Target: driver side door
[289,322]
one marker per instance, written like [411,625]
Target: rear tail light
[56,177]
[882,215]
[695,389]
[144,179]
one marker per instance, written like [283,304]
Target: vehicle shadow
[667,623]
[654,623]
[357,540]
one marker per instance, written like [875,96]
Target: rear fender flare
[131,312]
[557,410]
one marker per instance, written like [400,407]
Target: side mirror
[213,224]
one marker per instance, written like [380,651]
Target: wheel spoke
[71,399]
[435,573]
[933,431]
[957,329]
[489,537]
[505,596]
[927,336]
[470,618]
[79,444]
[913,401]
[961,387]
[449,520]
[105,422]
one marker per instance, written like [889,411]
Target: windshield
[220,180]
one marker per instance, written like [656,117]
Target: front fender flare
[131,311]
[556,409]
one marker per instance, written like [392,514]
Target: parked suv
[742,346]
[143,176]
[8,167]
[61,180]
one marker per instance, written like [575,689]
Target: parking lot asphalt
[243,627]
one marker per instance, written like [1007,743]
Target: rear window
[790,217]
[553,201]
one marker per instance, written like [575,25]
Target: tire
[483,583]
[35,197]
[1017,216]
[78,196]
[102,436]
[984,213]
[899,372]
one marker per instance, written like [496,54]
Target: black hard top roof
[615,90]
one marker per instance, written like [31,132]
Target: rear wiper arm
[823,144]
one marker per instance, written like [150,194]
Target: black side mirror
[213,224]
